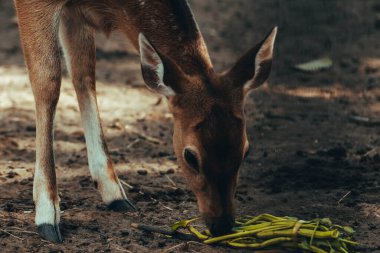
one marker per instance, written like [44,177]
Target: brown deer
[209,137]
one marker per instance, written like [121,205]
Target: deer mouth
[220,225]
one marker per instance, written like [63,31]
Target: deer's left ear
[153,68]
[253,68]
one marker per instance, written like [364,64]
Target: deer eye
[191,159]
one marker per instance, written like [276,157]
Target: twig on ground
[365,121]
[166,207]
[126,184]
[174,234]
[143,135]
[130,145]
[20,230]
[171,181]
[15,236]
[74,209]
[169,186]
[149,138]
[344,196]
[370,153]
[11,218]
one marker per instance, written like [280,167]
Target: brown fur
[207,108]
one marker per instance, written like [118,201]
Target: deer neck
[171,28]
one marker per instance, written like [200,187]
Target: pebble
[11,174]
[142,172]
[124,232]
[170,171]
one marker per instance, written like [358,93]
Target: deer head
[209,139]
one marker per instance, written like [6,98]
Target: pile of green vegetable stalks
[270,232]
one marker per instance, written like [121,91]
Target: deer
[209,134]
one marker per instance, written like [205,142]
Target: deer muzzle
[219,225]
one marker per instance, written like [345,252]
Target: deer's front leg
[40,43]
[79,47]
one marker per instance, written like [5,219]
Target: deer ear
[152,68]
[253,68]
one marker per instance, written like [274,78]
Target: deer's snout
[219,225]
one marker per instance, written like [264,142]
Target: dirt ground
[310,149]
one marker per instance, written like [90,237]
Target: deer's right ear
[153,68]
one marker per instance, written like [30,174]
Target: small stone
[170,171]
[11,174]
[142,172]
[162,154]
[124,233]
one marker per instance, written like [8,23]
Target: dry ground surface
[309,150]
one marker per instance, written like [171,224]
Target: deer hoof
[122,205]
[50,232]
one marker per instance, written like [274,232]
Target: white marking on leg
[47,212]
[97,157]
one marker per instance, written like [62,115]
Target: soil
[315,136]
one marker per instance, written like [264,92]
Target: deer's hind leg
[38,23]
[79,47]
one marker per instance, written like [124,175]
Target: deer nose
[219,225]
